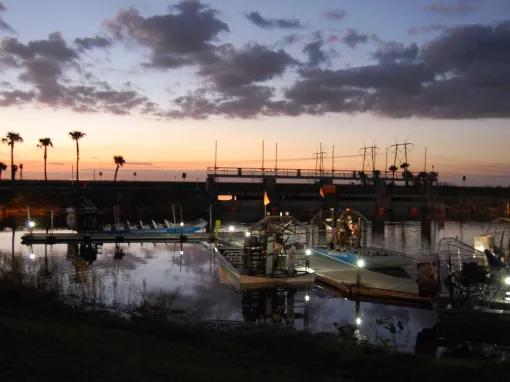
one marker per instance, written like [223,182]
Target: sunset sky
[160,81]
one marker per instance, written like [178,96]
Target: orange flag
[266,199]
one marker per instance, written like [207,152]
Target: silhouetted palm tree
[119,162]
[393,169]
[11,139]
[3,167]
[44,143]
[76,136]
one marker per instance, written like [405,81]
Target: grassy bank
[43,339]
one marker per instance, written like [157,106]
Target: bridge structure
[318,174]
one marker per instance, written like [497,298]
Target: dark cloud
[352,38]
[53,48]
[253,63]
[234,79]
[393,52]
[316,55]
[43,64]
[3,25]
[427,29]
[257,19]
[459,8]
[464,73]
[175,39]
[92,42]
[289,39]
[15,97]
[335,14]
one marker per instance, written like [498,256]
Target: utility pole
[425,163]
[215,156]
[276,158]
[370,159]
[319,161]
[262,155]
[386,163]
[400,151]
[332,160]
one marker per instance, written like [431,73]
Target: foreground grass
[43,339]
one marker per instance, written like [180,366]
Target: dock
[336,274]
[375,286]
[112,237]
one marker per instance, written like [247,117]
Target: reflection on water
[123,276]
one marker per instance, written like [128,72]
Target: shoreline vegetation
[42,338]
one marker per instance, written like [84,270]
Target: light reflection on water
[199,295]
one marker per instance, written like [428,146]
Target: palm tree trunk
[12,161]
[45,157]
[116,172]
[77,160]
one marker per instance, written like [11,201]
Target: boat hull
[371,262]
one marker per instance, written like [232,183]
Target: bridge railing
[248,172]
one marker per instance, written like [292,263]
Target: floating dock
[339,275]
[112,237]
[373,285]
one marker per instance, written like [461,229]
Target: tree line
[12,138]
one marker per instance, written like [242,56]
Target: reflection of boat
[373,257]
[154,228]
[273,256]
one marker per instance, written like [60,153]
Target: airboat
[272,254]
[343,236]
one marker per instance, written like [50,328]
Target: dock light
[231,228]
[181,253]
[182,224]
[507,294]
[506,280]
[307,298]
[247,234]
[31,224]
[32,256]
[361,263]
[358,321]
[308,252]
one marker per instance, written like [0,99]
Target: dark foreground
[43,339]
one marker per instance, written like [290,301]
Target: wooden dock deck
[374,285]
[112,237]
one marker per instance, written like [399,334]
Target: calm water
[189,283]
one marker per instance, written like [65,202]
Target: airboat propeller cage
[276,245]
[343,228]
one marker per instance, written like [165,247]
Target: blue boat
[373,257]
[154,228]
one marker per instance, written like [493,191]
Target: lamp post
[359,265]
[231,230]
